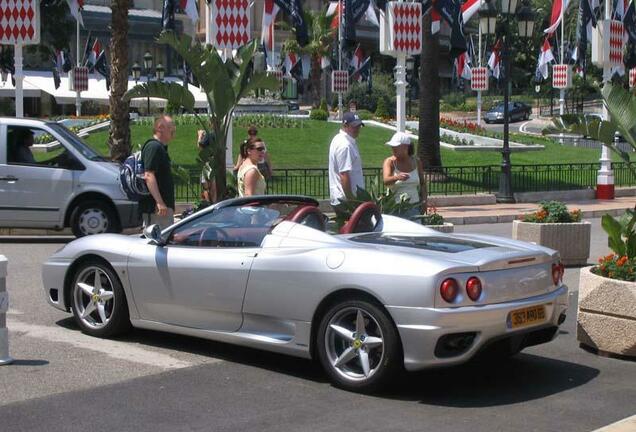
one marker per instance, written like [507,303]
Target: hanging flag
[462,66]
[101,67]
[306,65]
[294,9]
[190,9]
[291,60]
[167,14]
[470,8]
[93,55]
[58,66]
[545,57]
[494,62]
[270,10]
[585,22]
[451,12]
[334,9]
[76,7]
[357,59]
[364,70]
[87,49]
[68,63]
[371,16]
[629,21]
[436,21]
[555,18]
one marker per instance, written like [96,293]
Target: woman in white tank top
[403,174]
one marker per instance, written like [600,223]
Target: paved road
[63,380]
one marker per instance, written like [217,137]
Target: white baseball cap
[398,139]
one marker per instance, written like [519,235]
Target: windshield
[76,142]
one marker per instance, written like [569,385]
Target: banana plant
[621,105]
[620,233]
[224,82]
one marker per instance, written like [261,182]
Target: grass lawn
[308,147]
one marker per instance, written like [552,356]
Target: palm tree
[119,135]
[321,37]
[224,83]
[428,149]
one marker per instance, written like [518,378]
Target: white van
[69,186]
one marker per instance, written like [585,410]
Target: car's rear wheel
[98,300]
[93,217]
[358,345]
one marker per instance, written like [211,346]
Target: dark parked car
[517,111]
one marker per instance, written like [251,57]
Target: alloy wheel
[94,297]
[354,344]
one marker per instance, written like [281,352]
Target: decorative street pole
[148,70]
[525,20]
[20,26]
[400,36]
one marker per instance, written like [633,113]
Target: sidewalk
[499,213]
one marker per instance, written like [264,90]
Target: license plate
[527,316]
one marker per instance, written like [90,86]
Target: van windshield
[77,143]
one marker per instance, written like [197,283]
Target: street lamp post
[148,70]
[525,19]
[410,67]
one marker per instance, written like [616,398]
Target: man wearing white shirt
[345,163]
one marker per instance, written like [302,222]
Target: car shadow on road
[294,366]
[486,383]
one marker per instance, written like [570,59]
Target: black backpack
[131,176]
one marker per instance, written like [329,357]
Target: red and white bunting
[401,29]
[615,43]
[230,23]
[339,81]
[632,78]
[79,79]
[479,81]
[19,22]
[561,76]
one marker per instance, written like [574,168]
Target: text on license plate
[527,316]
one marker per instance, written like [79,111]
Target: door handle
[8,178]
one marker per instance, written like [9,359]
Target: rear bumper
[128,212]
[422,328]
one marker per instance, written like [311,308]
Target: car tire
[369,360]
[93,217]
[98,300]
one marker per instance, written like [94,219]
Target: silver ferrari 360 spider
[381,295]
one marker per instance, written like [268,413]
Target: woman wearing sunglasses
[250,180]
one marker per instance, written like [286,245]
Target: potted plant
[432,219]
[606,319]
[555,227]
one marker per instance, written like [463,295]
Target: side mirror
[153,233]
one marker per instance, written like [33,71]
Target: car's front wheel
[98,300]
[358,345]
[93,217]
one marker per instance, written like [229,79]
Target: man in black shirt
[158,207]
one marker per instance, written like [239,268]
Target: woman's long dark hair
[248,144]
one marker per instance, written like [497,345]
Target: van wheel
[93,217]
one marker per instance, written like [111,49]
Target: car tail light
[449,290]
[473,288]
[558,269]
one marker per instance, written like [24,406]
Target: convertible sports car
[382,294]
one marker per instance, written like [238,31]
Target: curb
[509,217]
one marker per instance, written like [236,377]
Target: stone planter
[572,240]
[446,228]
[606,318]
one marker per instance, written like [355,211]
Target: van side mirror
[153,233]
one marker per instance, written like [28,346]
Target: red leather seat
[310,216]
[362,219]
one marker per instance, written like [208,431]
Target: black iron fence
[573,105]
[459,180]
